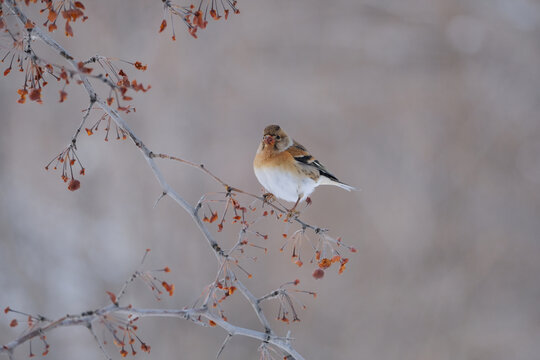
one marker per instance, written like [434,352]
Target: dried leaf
[52,15]
[63,95]
[69,30]
[139,66]
[342,267]
[112,297]
[169,288]
[145,347]
[84,69]
[163,25]
[325,263]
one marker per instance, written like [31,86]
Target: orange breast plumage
[278,174]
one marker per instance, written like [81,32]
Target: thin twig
[77,132]
[91,329]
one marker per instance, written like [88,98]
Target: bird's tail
[327,181]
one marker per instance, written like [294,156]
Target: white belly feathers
[285,185]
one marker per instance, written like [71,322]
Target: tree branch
[148,155]
[88,318]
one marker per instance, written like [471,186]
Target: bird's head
[275,138]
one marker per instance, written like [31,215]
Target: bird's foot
[268,198]
[292,214]
[308,201]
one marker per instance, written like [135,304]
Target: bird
[287,170]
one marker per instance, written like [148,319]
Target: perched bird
[287,170]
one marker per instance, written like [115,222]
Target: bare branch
[223,258]
[87,318]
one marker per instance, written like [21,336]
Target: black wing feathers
[310,160]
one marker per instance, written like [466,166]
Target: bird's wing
[303,156]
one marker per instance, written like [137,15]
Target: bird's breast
[282,184]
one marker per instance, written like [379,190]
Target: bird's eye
[278,137]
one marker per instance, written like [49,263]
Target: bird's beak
[268,139]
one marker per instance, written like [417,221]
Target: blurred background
[430,107]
